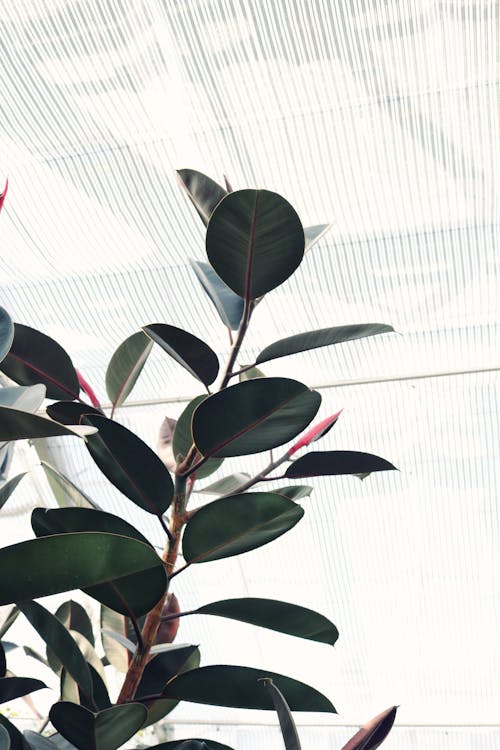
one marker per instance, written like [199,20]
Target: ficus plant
[254,242]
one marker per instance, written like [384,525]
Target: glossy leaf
[181,745]
[70,412]
[162,668]
[36,358]
[295,491]
[237,524]
[8,488]
[374,732]
[183,439]
[315,433]
[51,565]
[332,463]
[46,522]
[19,425]
[60,641]
[75,617]
[240,687]
[253,416]
[130,465]
[5,739]
[226,485]
[65,492]
[110,622]
[6,333]
[275,615]
[38,741]
[70,691]
[23,397]
[15,687]
[302,342]
[125,367]
[105,730]
[187,350]
[254,241]
[228,304]
[287,724]
[315,234]
[204,193]
[178,659]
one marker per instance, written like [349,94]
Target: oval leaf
[333,463]
[240,687]
[70,412]
[20,425]
[287,724]
[130,465]
[105,730]
[53,564]
[253,416]
[72,692]
[65,492]
[228,304]
[374,732]
[8,488]
[275,615]
[47,522]
[183,439]
[188,350]
[302,342]
[203,192]
[237,524]
[161,669]
[6,333]
[36,358]
[255,241]
[23,397]
[125,366]
[158,709]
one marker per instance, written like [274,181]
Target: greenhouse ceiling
[376,117]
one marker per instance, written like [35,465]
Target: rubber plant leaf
[183,439]
[65,492]
[333,463]
[20,425]
[70,412]
[228,304]
[187,350]
[75,617]
[287,724]
[374,732]
[8,488]
[125,366]
[204,193]
[6,330]
[104,730]
[23,397]
[225,486]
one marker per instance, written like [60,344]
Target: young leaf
[130,465]
[125,367]
[302,342]
[374,732]
[188,350]
[228,304]
[254,241]
[226,485]
[287,724]
[237,524]
[203,192]
[19,425]
[183,439]
[8,488]
[253,416]
[104,730]
[315,433]
[65,492]
[332,463]
[240,687]
[275,615]
[6,331]
[36,358]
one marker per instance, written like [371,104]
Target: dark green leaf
[332,463]
[276,615]
[60,641]
[177,659]
[112,621]
[287,724]
[374,732]
[255,241]
[240,687]
[71,692]
[65,492]
[161,669]
[46,522]
[105,730]
[253,416]
[19,425]
[226,485]
[3,663]
[51,565]
[38,741]
[187,350]
[17,741]
[15,687]
[23,397]
[5,739]
[178,744]
[9,620]
[8,488]
[183,439]
[36,358]
[72,615]
[295,492]
[203,192]
[314,234]
[237,524]
[70,412]
[228,304]
[6,333]
[302,342]
[60,742]
[125,367]
[130,465]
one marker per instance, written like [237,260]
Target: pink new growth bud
[86,388]
[2,195]
[315,433]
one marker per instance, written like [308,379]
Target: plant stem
[262,476]
[235,349]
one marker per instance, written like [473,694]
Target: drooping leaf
[253,416]
[130,465]
[295,491]
[112,622]
[254,241]
[6,333]
[240,687]
[65,492]
[19,425]
[204,193]
[23,397]
[228,304]
[38,741]
[105,730]
[8,620]
[5,739]
[70,412]
[237,524]
[8,488]
[125,367]
[374,732]
[302,342]
[183,439]
[46,522]
[36,358]
[275,615]
[60,641]
[287,724]
[226,485]
[75,617]
[314,234]
[181,745]
[53,564]
[15,687]
[187,350]
[332,463]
